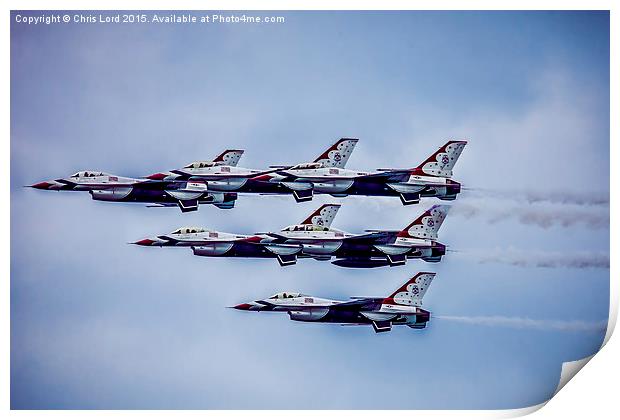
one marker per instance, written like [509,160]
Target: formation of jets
[220,181]
[315,238]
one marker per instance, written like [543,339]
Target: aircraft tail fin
[229,157]
[337,155]
[323,216]
[427,224]
[412,292]
[442,161]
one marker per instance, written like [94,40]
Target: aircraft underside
[185,201]
[382,322]
[349,256]
[359,256]
[304,191]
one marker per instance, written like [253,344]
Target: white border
[593,394]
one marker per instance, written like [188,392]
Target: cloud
[547,146]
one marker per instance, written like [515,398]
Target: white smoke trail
[528,323]
[534,258]
[557,197]
[544,216]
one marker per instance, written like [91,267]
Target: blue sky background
[97,323]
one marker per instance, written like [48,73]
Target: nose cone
[159,176]
[145,242]
[252,306]
[264,178]
[46,185]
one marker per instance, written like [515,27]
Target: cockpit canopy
[305,228]
[202,164]
[88,174]
[286,295]
[310,165]
[185,230]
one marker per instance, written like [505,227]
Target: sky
[100,324]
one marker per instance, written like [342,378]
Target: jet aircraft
[432,178]
[314,238]
[403,307]
[165,193]
[225,178]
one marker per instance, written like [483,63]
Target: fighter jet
[403,307]
[161,193]
[314,238]
[210,243]
[374,248]
[432,178]
[225,178]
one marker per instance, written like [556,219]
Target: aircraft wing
[292,307]
[200,242]
[220,176]
[103,185]
[391,175]
[196,242]
[306,178]
[362,237]
[368,237]
[395,175]
[273,235]
[359,303]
